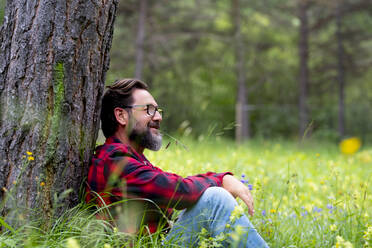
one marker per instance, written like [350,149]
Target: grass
[306,195]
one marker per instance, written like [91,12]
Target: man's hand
[238,189]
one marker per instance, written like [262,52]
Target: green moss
[55,115]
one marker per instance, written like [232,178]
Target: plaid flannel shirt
[117,172]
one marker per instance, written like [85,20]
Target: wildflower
[368,236]
[317,210]
[304,213]
[236,213]
[28,153]
[31,158]
[350,146]
[106,246]
[273,211]
[72,243]
[115,229]
[341,243]
[42,184]
[331,208]
[250,186]
[23,156]
[263,212]
[333,227]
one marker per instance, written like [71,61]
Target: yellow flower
[42,184]
[350,146]
[31,158]
[29,153]
[236,213]
[341,243]
[273,211]
[72,243]
[333,227]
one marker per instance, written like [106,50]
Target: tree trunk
[340,73]
[304,71]
[242,131]
[54,57]
[140,47]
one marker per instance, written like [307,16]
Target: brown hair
[118,94]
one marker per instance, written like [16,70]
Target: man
[131,120]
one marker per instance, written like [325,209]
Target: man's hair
[118,94]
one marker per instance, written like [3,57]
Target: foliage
[189,64]
[306,195]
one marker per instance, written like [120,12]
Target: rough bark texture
[54,56]
[241,111]
[304,71]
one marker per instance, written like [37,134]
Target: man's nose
[157,116]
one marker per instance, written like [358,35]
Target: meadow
[306,195]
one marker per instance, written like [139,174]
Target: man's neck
[125,140]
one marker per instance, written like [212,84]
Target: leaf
[3,223]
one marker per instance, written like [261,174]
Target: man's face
[143,128]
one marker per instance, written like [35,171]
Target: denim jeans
[212,212]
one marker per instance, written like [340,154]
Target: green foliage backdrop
[189,63]
[190,66]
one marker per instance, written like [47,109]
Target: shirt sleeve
[165,189]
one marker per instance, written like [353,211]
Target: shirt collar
[113,139]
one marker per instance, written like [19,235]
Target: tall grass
[306,195]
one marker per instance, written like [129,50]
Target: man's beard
[145,138]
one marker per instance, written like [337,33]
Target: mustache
[154,125]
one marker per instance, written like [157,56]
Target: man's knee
[219,195]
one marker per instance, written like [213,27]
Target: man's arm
[238,189]
[164,188]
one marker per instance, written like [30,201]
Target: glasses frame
[159,110]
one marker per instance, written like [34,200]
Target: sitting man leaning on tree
[130,122]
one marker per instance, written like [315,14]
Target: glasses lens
[151,109]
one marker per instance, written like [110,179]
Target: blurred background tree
[305,65]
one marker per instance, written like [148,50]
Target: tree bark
[340,73]
[242,131]
[140,46]
[304,71]
[54,57]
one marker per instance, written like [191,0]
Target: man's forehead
[141,96]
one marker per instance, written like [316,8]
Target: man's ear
[121,116]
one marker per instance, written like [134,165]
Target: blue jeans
[212,212]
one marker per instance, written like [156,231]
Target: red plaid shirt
[118,171]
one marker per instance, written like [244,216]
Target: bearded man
[130,119]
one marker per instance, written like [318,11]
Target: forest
[250,69]
[291,66]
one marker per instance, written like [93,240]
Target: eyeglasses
[150,109]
